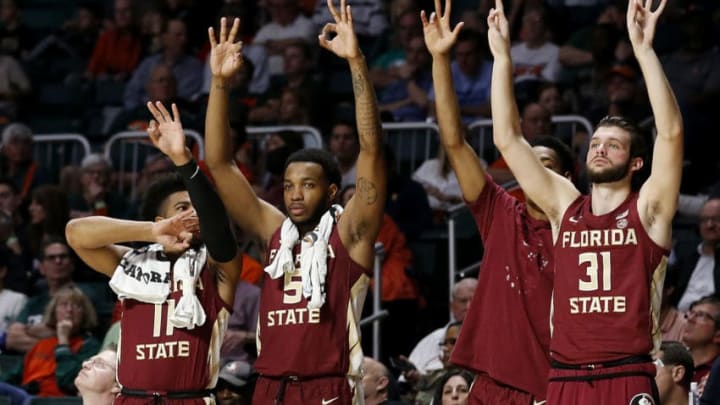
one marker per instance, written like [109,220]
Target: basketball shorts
[310,391]
[486,391]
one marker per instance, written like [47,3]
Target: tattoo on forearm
[221,87]
[359,84]
[366,191]
[366,110]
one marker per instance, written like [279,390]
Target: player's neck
[92,398]
[678,396]
[608,196]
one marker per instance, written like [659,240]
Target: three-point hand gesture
[225,54]
[642,21]
[166,133]
[344,44]
[439,38]
[176,233]
[498,30]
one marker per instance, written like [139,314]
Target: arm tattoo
[366,191]
[358,82]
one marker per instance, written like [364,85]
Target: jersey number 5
[596,262]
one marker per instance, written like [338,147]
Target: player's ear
[636,164]
[678,373]
[332,191]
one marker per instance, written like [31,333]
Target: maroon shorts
[486,391]
[631,384]
[323,390]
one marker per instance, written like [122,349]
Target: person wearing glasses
[698,264]
[674,373]
[51,365]
[56,265]
[96,381]
[702,334]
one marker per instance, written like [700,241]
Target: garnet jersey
[506,332]
[294,340]
[608,285]
[155,356]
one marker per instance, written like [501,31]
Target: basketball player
[161,359]
[610,247]
[309,343]
[507,342]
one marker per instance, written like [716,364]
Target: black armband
[214,225]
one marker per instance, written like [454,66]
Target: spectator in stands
[286,26]
[16,159]
[369,19]
[672,321]
[186,68]
[15,37]
[161,85]
[453,388]
[407,201]
[14,240]
[297,75]
[117,51]
[710,387]
[11,302]
[50,367]
[278,147]
[155,166]
[399,294]
[394,64]
[426,355]
[96,381]
[14,87]
[56,266]
[242,324]
[426,385]
[294,108]
[236,383]
[622,96]
[49,213]
[96,197]
[344,145]
[702,334]
[377,383]
[471,72]
[698,264]
[440,183]
[535,58]
[406,99]
[674,373]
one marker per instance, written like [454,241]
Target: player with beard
[319,257]
[610,247]
[177,293]
[506,336]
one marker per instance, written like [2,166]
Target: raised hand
[498,30]
[439,38]
[176,233]
[642,21]
[344,44]
[225,54]
[166,132]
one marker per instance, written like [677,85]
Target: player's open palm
[166,131]
[439,38]
[642,21]
[225,53]
[344,43]
[498,30]
[176,233]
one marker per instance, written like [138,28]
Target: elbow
[72,230]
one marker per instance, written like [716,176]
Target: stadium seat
[56,401]
[9,361]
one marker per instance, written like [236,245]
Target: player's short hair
[158,191]
[563,152]
[323,158]
[675,354]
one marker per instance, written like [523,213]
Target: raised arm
[360,223]
[95,239]
[166,133]
[440,39]
[551,192]
[250,212]
[659,195]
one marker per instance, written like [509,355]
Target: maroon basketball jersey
[506,332]
[294,340]
[608,285]
[155,356]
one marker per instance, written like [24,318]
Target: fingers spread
[333,12]
[234,30]
[223,30]
[155,112]
[211,37]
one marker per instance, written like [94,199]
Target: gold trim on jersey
[656,292]
[358,292]
[216,339]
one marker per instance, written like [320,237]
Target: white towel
[313,255]
[144,275]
